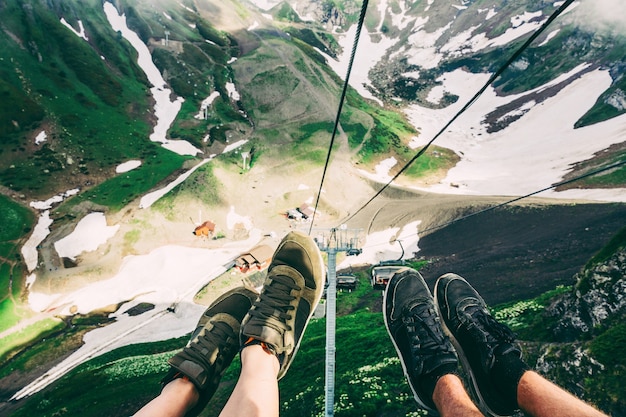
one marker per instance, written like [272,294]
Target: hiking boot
[415,329]
[480,341]
[292,290]
[213,344]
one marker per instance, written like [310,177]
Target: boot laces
[274,307]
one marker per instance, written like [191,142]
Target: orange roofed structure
[205,229]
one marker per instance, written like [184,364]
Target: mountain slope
[267,79]
[90,108]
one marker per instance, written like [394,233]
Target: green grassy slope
[16,221]
[92,108]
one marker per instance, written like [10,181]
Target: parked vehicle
[347,282]
[382,273]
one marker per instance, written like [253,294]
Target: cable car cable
[339,109]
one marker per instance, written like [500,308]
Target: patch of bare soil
[520,252]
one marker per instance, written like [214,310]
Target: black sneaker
[213,344]
[292,289]
[479,339]
[415,329]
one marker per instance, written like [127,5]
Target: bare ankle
[451,399]
[259,359]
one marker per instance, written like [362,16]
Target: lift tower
[333,241]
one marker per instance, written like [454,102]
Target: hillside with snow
[127,124]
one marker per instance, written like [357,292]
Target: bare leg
[451,398]
[175,399]
[256,392]
[541,398]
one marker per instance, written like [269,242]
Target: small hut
[205,229]
[258,258]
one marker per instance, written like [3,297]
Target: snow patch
[367,55]
[41,137]
[422,50]
[127,166]
[517,21]
[186,8]
[41,231]
[47,204]
[436,94]
[40,301]
[167,277]
[490,13]
[381,171]
[507,162]
[90,232]
[481,41]
[206,103]
[232,91]
[164,109]
[549,37]
[80,33]
[235,145]
[233,219]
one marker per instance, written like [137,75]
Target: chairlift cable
[339,109]
[559,184]
[588,174]
[493,77]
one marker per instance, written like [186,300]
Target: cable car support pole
[333,241]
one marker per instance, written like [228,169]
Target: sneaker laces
[214,340]
[425,334]
[274,306]
[491,334]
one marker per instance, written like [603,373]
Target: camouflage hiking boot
[479,340]
[213,344]
[415,329]
[292,289]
